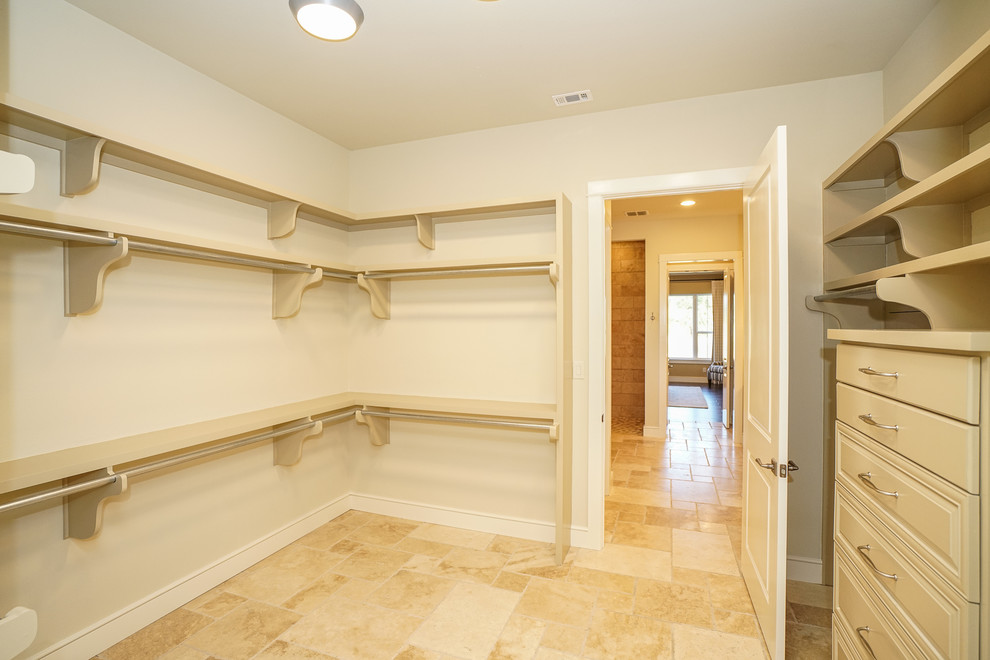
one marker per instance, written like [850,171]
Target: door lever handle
[772,465]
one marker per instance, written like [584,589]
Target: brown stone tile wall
[628,329]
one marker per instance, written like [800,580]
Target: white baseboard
[136,616]
[534,530]
[804,569]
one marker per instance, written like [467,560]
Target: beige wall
[948,30]
[74,66]
[628,329]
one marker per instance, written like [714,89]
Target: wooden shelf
[924,339]
[964,256]
[955,97]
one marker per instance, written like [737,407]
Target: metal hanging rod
[460,420]
[868,290]
[475,270]
[98,482]
[193,253]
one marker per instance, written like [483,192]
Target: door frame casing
[597,374]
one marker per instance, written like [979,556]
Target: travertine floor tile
[280,650]
[473,565]
[565,639]
[694,491]
[184,653]
[561,602]
[642,536]
[669,601]
[703,552]
[154,640]
[348,629]
[627,560]
[538,562]
[372,563]
[244,632]
[691,643]
[602,580]
[277,578]
[384,531]
[453,536]
[412,593]
[315,593]
[616,635]
[519,639]
[468,622]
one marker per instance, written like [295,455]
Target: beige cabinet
[907,264]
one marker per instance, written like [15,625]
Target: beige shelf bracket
[379,291]
[554,432]
[378,427]
[287,291]
[928,230]
[288,448]
[85,267]
[282,218]
[553,270]
[82,513]
[925,152]
[848,313]
[81,165]
[426,230]
[950,300]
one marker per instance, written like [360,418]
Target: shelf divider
[950,300]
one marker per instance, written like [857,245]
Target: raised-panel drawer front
[942,622]
[843,648]
[943,445]
[864,620]
[947,384]
[936,520]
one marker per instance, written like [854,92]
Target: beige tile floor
[365,586]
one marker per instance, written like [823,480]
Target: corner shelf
[910,210]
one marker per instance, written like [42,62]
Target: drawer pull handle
[868,419]
[870,371]
[864,550]
[866,478]
[860,631]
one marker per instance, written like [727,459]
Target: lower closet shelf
[89,477]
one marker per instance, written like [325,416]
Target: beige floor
[364,586]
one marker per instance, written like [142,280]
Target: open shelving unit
[910,210]
[94,246]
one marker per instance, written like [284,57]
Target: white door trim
[598,192]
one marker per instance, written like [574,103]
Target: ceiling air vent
[635,213]
[572,97]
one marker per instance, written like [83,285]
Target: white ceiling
[425,68]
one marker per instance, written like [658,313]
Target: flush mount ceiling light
[331,20]
[688,202]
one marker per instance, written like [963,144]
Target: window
[689,326]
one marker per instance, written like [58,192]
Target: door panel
[765,390]
[728,347]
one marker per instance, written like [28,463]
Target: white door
[728,346]
[764,534]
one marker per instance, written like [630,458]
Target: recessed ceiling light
[688,202]
[331,20]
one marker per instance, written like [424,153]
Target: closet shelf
[85,149]
[957,96]
[960,182]
[86,488]
[970,255]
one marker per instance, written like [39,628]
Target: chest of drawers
[910,511]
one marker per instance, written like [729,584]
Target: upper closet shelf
[960,182]
[84,151]
[928,133]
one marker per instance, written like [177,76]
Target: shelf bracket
[287,291]
[426,230]
[554,432]
[949,300]
[288,448]
[928,230]
[282,218]
[85,267]
[378,290]
[553,270]
[81,165]
[82,513]
[378,427]
[925,152]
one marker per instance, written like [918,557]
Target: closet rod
[67,235]
[164,463]
[515,270]
[460,420]
[868,290]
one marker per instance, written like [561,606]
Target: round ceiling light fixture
[688,202]
[331,20]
